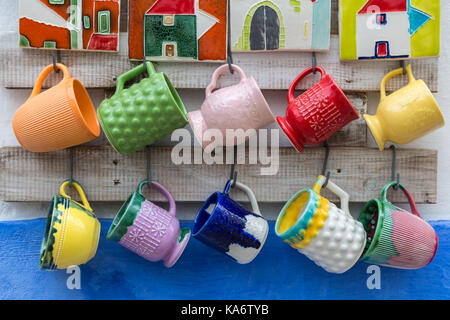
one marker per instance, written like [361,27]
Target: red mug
[317,114]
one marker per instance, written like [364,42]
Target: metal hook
[149,165]
[403,64]
[314,62]
[325,163]
[71,166]
[233,172]
[394,163]
[56,59]
[229,55]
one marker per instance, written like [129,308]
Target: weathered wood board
[108,176]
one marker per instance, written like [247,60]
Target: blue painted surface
[321,30]
[279,272]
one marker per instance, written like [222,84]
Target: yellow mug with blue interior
[71,233]
[405,115]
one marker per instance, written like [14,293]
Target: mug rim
[124,219]
[198,230]
[300,224]
[381,213]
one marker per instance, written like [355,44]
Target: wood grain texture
[108,176]
[271,70]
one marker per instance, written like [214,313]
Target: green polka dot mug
[142,114]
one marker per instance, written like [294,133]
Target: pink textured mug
[241,106]
[148,230]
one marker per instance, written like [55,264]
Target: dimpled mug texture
[339,244]
[142,114]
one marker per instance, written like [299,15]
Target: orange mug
[60,117]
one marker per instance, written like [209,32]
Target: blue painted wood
[279,272]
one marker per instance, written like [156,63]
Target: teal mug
[142,114]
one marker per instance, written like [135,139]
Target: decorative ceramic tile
[389,29]
[300,25]
[178,30]
[70,24]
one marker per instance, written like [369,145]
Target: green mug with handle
[142,114]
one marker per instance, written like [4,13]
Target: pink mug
[241,106]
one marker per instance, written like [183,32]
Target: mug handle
[77,186]
[392,74]
[45,73]
[163,191]
[216,75]
[133,73]
[343,196]
[409,196]
[248,191]
[294,84]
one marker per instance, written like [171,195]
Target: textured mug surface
[314,226]
[71,233]
[142,114]
[395,237]
[318,113]
[148,230]
[241,106]
[406,114]
[226,226]
[58,118]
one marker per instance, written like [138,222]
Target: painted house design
[384,29]
[176,29]
[299,25]
[70,24]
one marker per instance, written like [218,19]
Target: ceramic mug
[318,113]
[241,106]
[60,117]
[395,237]
[405,115]
[71,233]
[327,235]
[226,226]
[148,230]
[138,116]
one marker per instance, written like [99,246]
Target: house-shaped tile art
[70,24]
[296,25]
[178,30]
[389,29]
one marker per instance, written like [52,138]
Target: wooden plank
[109,176]
[19,68]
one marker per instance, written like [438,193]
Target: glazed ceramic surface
[318,113]
[405,115]
[327,235]
[58,118]
[178,30]
[241,106]
[280,25]
[67,24]
[395,237]
[227,227]
[138,116]
[389,29]
[148,230]
[71,233]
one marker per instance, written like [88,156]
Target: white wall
[11,99]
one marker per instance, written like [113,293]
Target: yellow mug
[71,233]
[406,114]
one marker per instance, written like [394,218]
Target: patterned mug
[318,113]
[226,226]
[71,233]
[148,230]
[239,107]
[327,235]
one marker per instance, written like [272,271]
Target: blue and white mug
[226,226]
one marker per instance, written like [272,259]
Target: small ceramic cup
[239,107]
[327,235]
[395,237]
[71,233]
[406,114]
[142,114]
[318,113]
[227,227]
[148,230]
[58,118]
